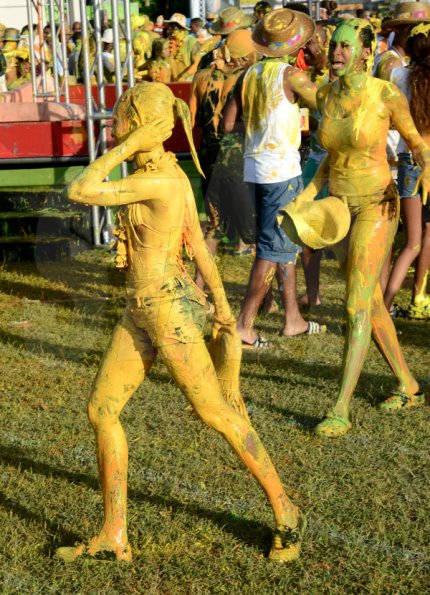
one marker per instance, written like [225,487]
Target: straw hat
[408,13]
[229,20]
[11,34]
[318,223]
[178,19]
[239,43]
[282,32]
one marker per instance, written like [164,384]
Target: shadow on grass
[76,276]
[305,375]
[252,533]
[61,352]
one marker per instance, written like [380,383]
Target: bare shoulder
[388,91]
[291,73]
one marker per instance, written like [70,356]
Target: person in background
[3,63]
[414,81]
[265,104]
[210,19]
[327,10]
[405,16]
[260,10]
[108,56]
[181,57]
[195,25]
[316,58]
[158,67]
[227,201]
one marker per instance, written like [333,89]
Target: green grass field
[199,524]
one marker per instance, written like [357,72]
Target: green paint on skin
[251,445]
[348,38]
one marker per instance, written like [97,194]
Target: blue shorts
[273,244]
[407,176]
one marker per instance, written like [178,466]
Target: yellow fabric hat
[318,223]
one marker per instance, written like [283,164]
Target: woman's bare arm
[402,120]
[91,188]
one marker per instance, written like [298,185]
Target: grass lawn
[197,521]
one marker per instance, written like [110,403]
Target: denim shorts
[273,244]
[407,175]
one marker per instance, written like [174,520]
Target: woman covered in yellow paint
[164,314]
[356,112]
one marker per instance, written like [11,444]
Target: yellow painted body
[356,114]
[165,312]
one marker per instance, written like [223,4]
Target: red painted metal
[68,138]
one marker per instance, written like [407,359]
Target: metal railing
[55,14]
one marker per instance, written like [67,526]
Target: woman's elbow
[74,192]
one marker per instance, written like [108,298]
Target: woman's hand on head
[149,136]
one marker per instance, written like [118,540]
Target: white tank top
[272,125]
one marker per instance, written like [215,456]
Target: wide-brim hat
[239,43]
[318,223]
[11,34]
[282,32]
[178,19]
[408,13]
[229,20]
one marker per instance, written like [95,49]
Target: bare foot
[298,328]
[270,306]
[97,545]
[305,301]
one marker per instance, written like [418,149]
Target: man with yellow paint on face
[181,45]
[266,101]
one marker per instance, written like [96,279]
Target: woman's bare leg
[371,238]
[121,372]
[192,369]
[412,219]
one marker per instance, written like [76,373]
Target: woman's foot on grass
[98,549]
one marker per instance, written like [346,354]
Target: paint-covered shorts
[273,244]
[176,315]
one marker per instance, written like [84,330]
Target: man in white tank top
[265,106]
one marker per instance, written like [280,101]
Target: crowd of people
[365,82]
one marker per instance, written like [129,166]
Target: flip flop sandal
[419,312]
[333,426]
[287,542]
[314,328]
[397,312]
[399,400]
[248,252]
[259,343]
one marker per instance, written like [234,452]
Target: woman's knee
[413,245]
[358,315]
[100,413]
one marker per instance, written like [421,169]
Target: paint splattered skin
[164,315]
[356,113]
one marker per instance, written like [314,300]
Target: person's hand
[148,136]
[424,182]
[226,323]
